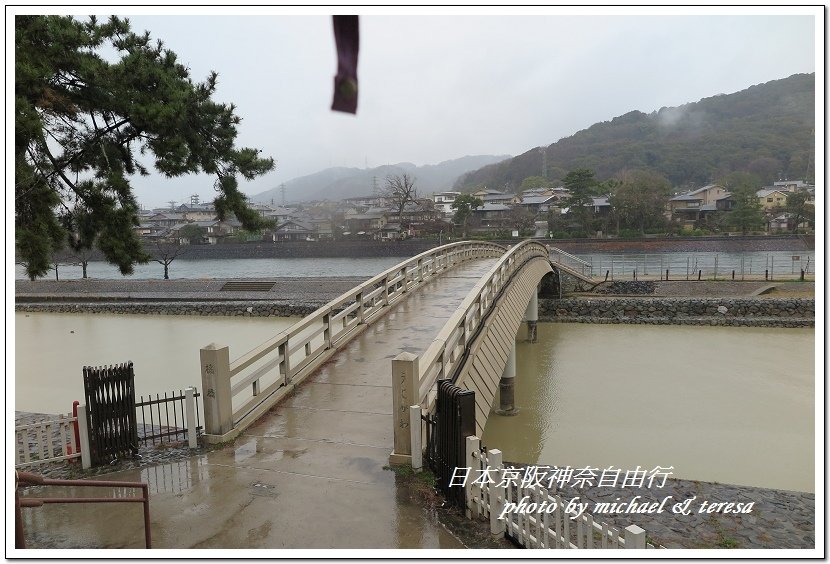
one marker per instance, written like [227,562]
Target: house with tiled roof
[492,215]
[537,203]
[772,198]
[294,230]
[694,205]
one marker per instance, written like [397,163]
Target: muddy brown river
[719,404]
[733,405]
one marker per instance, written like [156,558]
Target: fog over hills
[338,183]
[766,129]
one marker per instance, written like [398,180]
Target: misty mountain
[339,182]
[767,129]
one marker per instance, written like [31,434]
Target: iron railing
[159,426]
[26,478]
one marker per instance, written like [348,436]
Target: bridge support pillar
[532,316]
[507,385]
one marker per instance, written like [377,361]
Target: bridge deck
[307,475]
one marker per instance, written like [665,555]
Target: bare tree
[62,258]
[521,218]
[165,252]
[400,190]
[84,256]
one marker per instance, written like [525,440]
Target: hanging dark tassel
[347,39]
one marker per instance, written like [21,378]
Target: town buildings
[375,217]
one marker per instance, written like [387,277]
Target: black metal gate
[447,432]
[110,404]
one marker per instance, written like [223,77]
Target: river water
[681,266]
[233,268]
[51,350]
[734,405]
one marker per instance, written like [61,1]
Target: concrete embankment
[684,303]
[743,312]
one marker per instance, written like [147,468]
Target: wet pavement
[309,474]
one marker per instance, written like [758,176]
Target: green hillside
[767,129]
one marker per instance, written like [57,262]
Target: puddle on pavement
[174,477]
[424,519]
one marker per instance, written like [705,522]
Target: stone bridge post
[216,386]
[405,393]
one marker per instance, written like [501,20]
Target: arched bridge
[357,364]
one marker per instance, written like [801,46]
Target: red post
[19,536]
[75,405]
[145,493]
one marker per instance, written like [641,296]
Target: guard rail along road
[237,393]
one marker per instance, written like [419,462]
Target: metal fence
[23,479]
[690,266]
[155,417]
[172,418]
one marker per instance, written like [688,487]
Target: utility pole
[544,162]
[375,188]
[172,204]
[282,191]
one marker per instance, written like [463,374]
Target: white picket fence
[548,525]
[48,440]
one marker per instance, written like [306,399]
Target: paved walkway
[320,290]
[310,474]
[316,290]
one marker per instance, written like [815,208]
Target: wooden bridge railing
[414,379]
[237,393]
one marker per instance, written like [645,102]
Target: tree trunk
[83,266]
[166,276]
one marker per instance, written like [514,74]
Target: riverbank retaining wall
[747,312]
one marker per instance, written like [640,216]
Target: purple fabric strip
[347,40]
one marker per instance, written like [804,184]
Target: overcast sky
[439,87]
